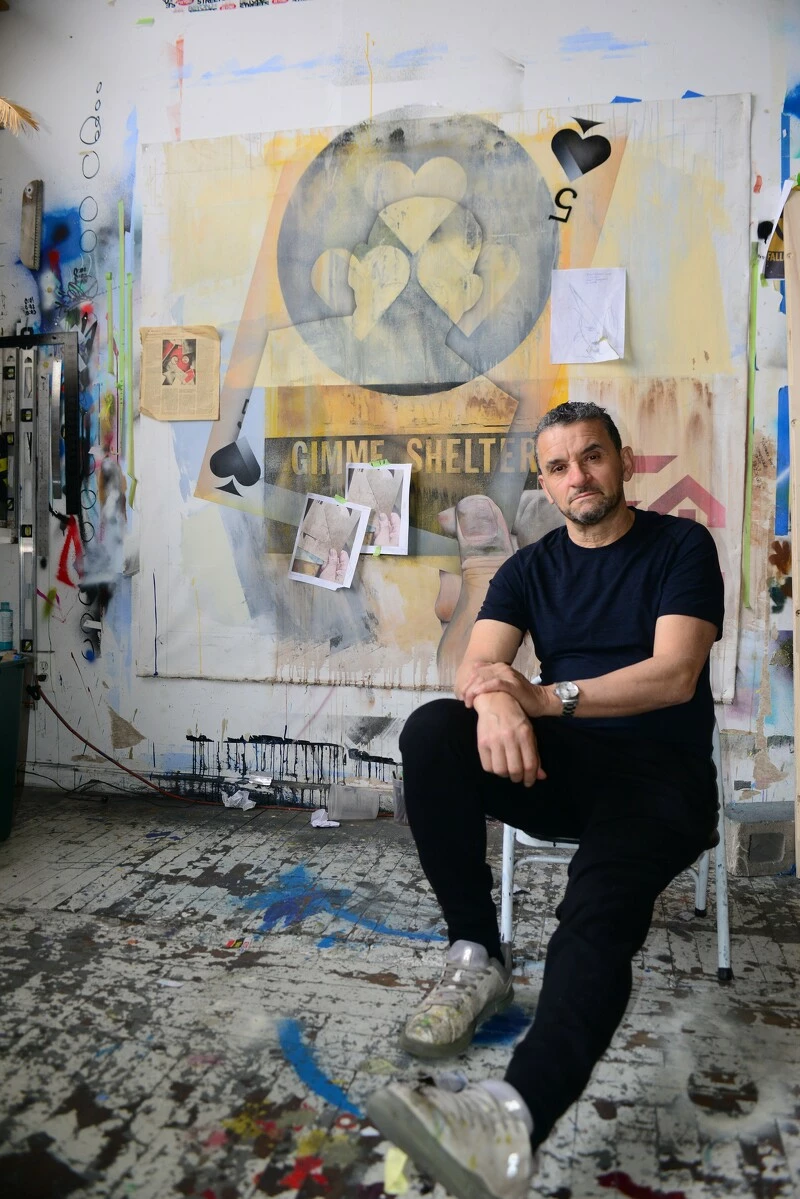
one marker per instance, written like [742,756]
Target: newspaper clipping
[180,372]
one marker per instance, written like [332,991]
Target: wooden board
[791,236]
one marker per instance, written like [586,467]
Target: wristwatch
[569,694]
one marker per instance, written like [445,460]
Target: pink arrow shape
[689,489]
[651,464]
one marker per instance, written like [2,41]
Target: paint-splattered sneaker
[476,1144]
[472,988]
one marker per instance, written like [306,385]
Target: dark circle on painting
[341,228]
[88,209]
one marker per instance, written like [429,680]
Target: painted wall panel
[243,73]
[398,307]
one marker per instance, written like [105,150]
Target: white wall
[303,64]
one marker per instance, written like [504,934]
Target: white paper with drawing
[386,490]
[587,319]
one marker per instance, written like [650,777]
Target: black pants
[642,810]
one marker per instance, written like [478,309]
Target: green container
[12,677]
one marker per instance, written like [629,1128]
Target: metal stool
[561,851]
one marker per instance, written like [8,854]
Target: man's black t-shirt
[591,611]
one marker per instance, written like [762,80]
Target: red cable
[39,694]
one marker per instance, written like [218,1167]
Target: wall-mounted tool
[30,243]
[39,397]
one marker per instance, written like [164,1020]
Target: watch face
[566,690]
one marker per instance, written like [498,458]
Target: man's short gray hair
[570,414]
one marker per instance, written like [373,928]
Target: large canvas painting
[383,293]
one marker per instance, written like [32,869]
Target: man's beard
[593,516]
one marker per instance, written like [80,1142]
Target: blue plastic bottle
[6,627]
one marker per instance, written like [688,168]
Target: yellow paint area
[207,559]
[217,195]
[348,411]
[662,221]
[376,277]
[402,593]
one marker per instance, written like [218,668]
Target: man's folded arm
[491,641]
[669,677]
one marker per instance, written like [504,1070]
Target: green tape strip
[340,499]
[380,462]
[110,328]
[146,21]
[121,346]
[376,553]
[129,386]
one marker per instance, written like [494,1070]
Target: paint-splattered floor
[197,1002]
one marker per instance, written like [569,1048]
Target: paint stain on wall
[123,733]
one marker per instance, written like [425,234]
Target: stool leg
[724,971]
[701,884]
[507,887]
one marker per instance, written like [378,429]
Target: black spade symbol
[238,460]
[579,155]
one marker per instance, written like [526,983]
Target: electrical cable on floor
[36,692]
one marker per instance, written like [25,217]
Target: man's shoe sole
[403,1128]
[431,1051]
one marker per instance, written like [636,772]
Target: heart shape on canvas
[578,155]
[377,277]
[393,181]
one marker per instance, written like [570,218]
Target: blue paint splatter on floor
[299,895]
[375,926]
[301,1059]
[503,1028]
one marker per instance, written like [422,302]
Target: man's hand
[487,678]
[506,741]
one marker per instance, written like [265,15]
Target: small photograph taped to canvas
[328,542]
[385,489]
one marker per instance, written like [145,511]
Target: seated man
[612,748]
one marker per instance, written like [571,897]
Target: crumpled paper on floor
[239,799]
[319,819]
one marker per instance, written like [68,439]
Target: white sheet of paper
[587,319]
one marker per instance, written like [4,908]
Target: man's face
[581,472]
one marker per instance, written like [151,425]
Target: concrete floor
[197,1002]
